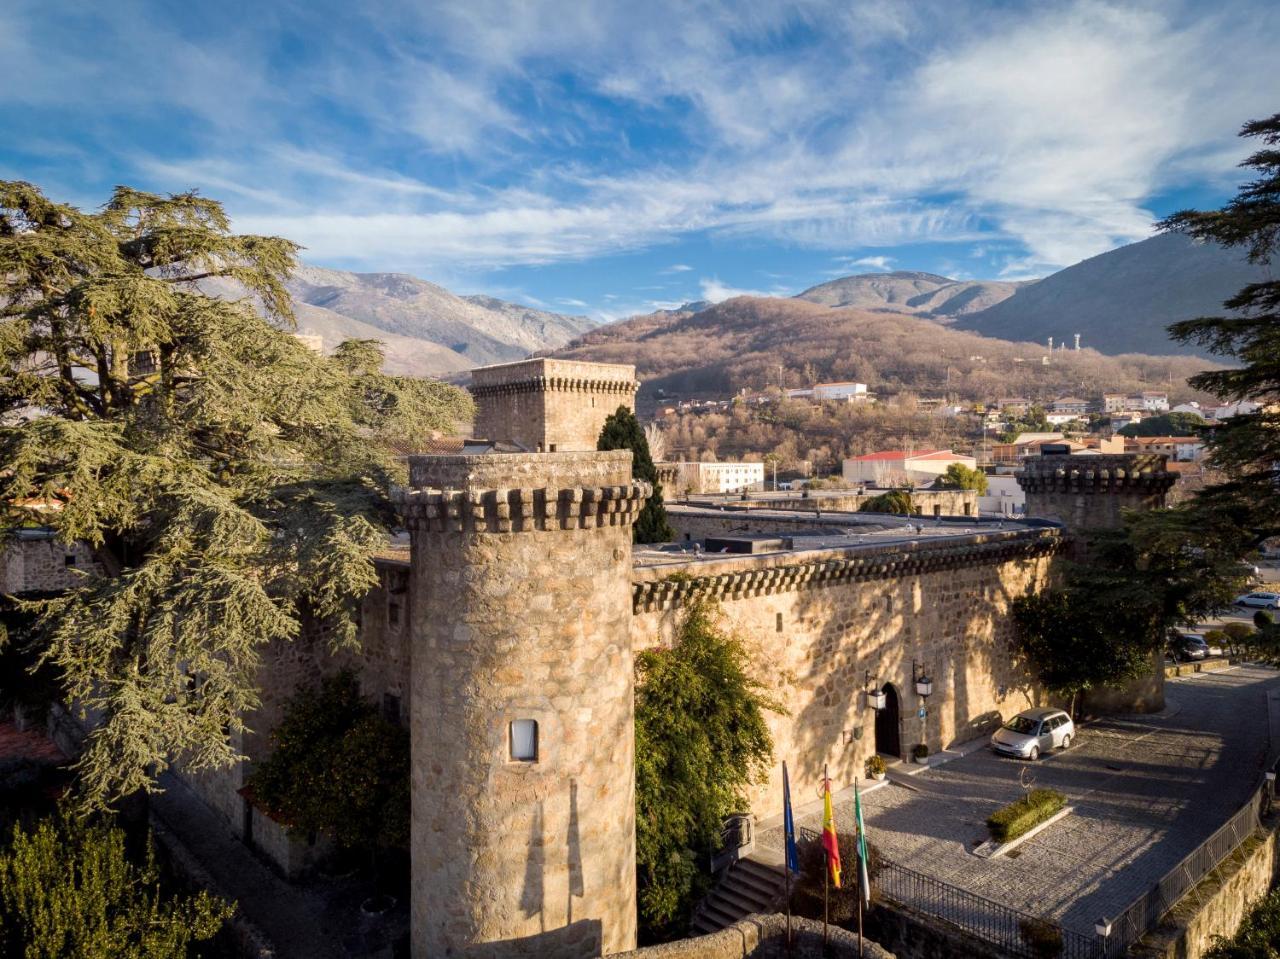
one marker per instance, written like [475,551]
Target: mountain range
[425,329]
[1119,302]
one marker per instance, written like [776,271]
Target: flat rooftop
[796,532]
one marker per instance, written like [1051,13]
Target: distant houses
[898,467]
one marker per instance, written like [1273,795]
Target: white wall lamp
[875,696]
[924,685]
[1103,927]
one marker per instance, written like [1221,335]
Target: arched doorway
[887,724]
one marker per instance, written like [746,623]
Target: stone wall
[821,624]
[525,565]
[34,562]
[926,502]
[550,405]
[765,937]
[1219,903]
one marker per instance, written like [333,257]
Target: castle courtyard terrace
[1145,790]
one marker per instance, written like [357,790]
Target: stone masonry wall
[35,562]
[550,405]
[818,622]
[524,578]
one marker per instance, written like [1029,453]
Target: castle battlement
[1092,492]
[520,510]
[550,405]
[1104,474]
[675,585]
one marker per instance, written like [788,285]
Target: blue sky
[614,158]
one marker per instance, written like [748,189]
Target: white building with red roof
[898,467]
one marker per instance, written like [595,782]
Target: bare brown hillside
[740,343]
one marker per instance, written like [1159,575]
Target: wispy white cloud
[713,291]
[445,136]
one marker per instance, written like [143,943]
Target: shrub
[806,891]
[1239,636]
[1043,937]
[69,888]
[875,766]
[894,501]
[1023,815]
[920,751]
[1258,936]
[338,768]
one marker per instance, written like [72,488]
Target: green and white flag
[863,881]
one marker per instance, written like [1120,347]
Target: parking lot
[1145,792]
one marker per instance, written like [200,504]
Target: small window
[69,559]
[778,623]
[393,613]
[524,740]
[391,708]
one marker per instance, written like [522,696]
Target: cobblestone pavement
[1146,791]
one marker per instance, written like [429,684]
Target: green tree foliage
[1246,448]
[701,740]
[1167,424]
[894,501]
[338,768]
[622,432]
[69,888]
[1258,936]
[959,476]
[1114,611]
[1032,421]
[231,480]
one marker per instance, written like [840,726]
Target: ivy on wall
[701,740]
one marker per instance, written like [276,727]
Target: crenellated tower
[523,838]
[1091,492]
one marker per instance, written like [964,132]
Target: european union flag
[789,825]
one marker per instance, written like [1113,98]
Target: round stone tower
[1091,492]
[523,838]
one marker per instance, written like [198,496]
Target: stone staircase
[748,886]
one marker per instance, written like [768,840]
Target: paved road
[1146,791]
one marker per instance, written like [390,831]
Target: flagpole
[826,873]
[857,819]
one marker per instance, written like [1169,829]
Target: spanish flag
[829,841]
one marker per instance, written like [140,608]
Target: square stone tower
[547,405]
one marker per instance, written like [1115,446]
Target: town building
[718,477]
[1179,449]
[1070,404]
[901,468]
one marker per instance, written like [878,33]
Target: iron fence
[1025,936]
[1015,933]
[1145,912]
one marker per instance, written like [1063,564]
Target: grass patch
[1023,815]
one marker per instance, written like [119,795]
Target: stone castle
[505,637]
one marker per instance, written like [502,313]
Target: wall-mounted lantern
[875,697]
[1103,927]
[924,685]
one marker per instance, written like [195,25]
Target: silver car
[1261,599]
[1032,732]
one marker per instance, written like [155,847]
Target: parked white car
[1259,600]
[1034,732]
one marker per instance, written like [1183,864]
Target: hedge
[1023,815]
